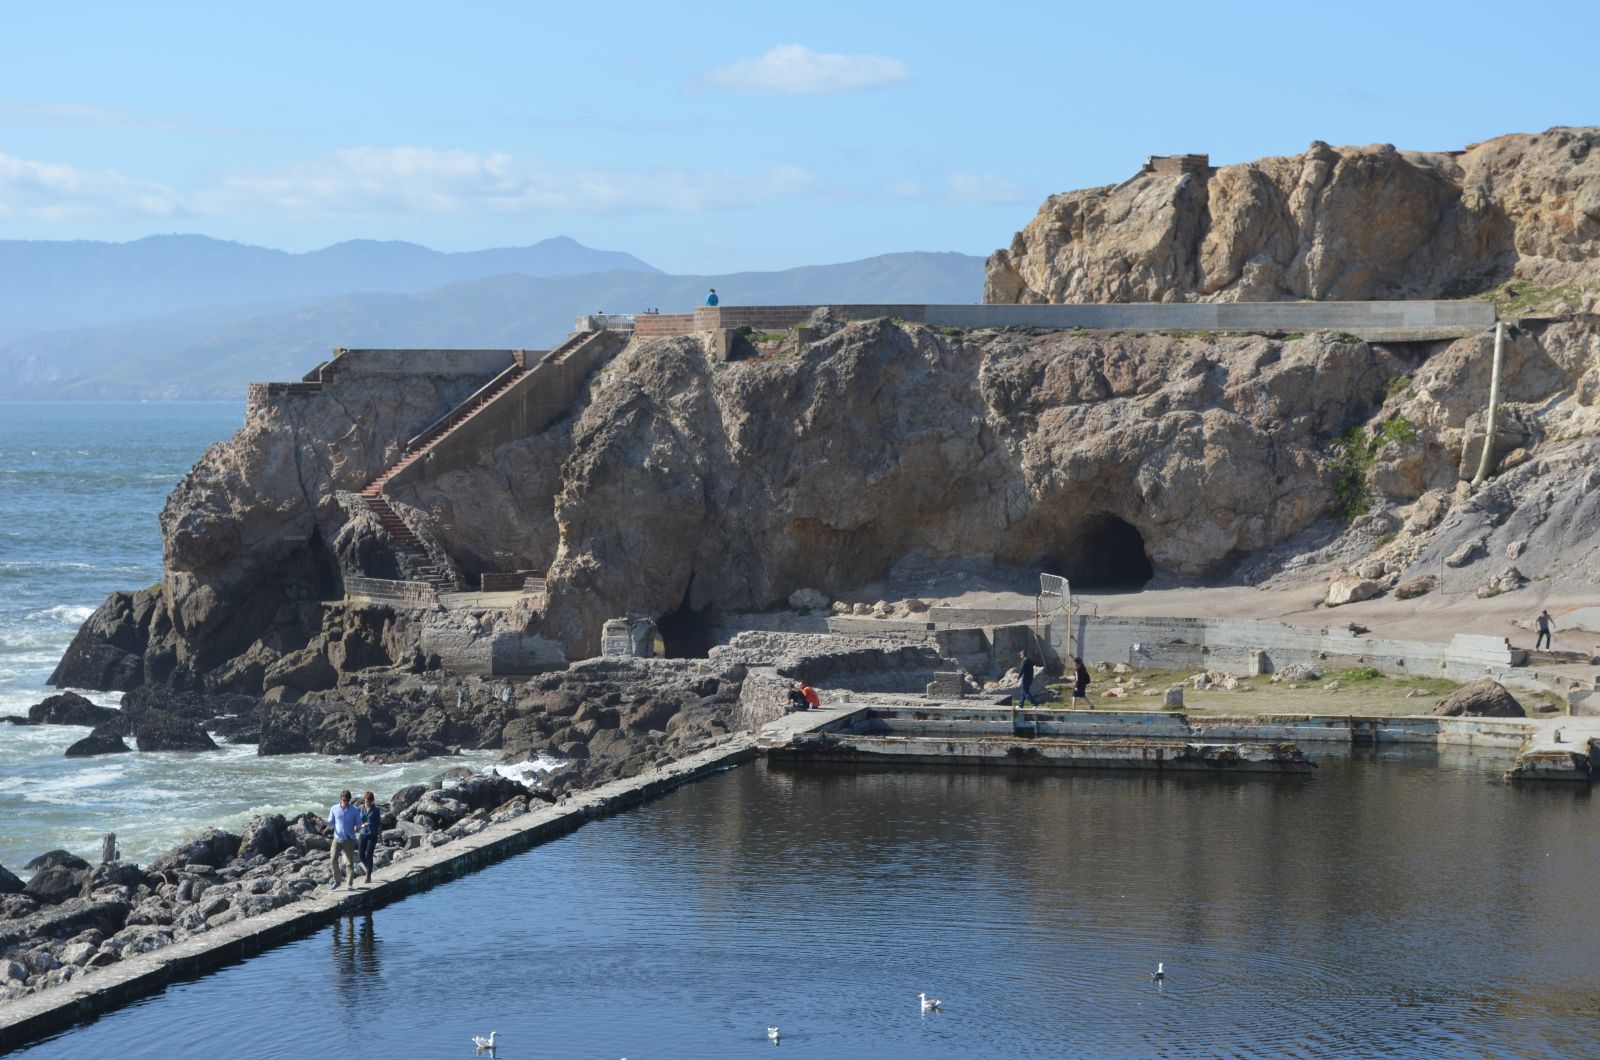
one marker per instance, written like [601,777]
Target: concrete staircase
[553,382]
[416,560]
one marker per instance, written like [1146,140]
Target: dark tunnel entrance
[687,633]
[1105,553]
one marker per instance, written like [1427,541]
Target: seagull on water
[929,1004]
[1159,974]
[772,1033]
[481,1043]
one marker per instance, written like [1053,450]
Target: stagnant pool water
[1384,906]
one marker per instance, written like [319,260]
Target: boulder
[56,884]
[69,708]
[1350,589]
[1506,579]
[265,835]
[1465,554]
[9,883]
[1421,585]
[97,743]
[213,848]
[1172,699]
[54,858]
[65,920]
[169,732]
[808,600]
[1481,699]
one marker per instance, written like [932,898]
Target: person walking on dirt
[1543,622]
[1025,690]
[1080,682]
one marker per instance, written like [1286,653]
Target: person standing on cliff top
[711,299]
[1543,623]
[1025,690]
[344,819]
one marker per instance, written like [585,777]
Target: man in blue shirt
[344,819]
[711,299]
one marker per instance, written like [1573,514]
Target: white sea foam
[73,614]
[528,770]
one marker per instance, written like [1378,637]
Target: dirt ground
[1357,694]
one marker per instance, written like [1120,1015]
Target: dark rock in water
[388,756]
[69,708]
[53,858]
[56,884]
[196,706]
[288,729]
[98,743]
[1481,699]
[108,651]
[264,835]
[236,728]
[213,848]
[168,732]
[14,719]
[9,883]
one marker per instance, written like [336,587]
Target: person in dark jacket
[1543,623]
[1080,681]
[371,822]
[797,698]
[1025,690]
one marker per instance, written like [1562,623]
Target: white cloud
[52,191]
[795,70]
[423,180]
[982,189]
[389,182]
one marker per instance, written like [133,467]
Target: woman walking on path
[367,836]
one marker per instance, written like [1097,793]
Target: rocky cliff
[1331,223]
[683,483]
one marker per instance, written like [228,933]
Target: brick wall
[656,325]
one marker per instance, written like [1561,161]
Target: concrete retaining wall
[398,362]
[1395,320]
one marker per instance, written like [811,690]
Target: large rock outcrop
[1329,224]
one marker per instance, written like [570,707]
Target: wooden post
[1494,402]
[108,848]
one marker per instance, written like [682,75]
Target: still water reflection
[1380,907]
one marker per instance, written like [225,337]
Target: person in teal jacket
[711,299]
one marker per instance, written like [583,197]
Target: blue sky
[714,137]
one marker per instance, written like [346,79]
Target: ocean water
[81,486]
[1390,905]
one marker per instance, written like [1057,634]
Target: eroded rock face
[1329,224]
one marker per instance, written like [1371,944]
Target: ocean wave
[76,614]
[528,770]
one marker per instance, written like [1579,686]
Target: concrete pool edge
[27,1019]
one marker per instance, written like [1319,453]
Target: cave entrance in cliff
[687,633]
[1103,552]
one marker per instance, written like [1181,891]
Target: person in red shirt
[813,700]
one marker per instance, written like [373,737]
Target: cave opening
[1105,552]
[687,632]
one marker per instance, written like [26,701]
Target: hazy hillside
[215,352]
[83,284]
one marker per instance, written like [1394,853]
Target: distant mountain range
[83,284]
[189,351]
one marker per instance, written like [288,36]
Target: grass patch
[1353,453]
[1397,386]
[1520,298]
[1362,673]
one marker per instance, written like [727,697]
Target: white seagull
[1159,974]
[929,1004]
[480,1042]
[772,1032]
